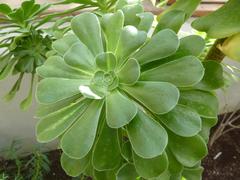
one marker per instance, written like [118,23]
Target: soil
[223,160]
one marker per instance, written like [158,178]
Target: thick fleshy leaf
[64,44]
[130,40]
[188,150]
[159,97]
[44,110]
[53,125]
[189,45]
[106,153]
[182,72]
[74,167]
[188,6]
[104,175]
[130,72]
[119,109]
[205,103]
[193,173]
[161,45]
[173,20]
[182,121]
[207,124]
[164,176]
[225,19]
[106,61]
[127,151]
[78,140]
[174,167]
[149,168]
[213,76]
[51,90]
[148,138]
[56,67]
[79,56]
[127,172]
[87,27]
[130,12]
[146,20]
[112,35]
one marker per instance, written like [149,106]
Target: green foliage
[225,19]
[178,13]
[125,104]
[226,25]
[33,166]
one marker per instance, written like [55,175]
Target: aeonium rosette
[123,103]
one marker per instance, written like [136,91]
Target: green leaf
[55,67]
[7,69]
[193,173]
[127,151]
[130,40]
[174,167]
[130,12]
[87,27]
[29,8]
[148,138]
[188,6]
[213,76]
[104,175]
[79,139]
[45,109]
[112,35]
[51,90]
[127,172]
[187,150]
[74,167]
[106,153]
[182,72]
[207,124]
[130,72]
[205,103]
[27,102]
[161,45]
[159,97]
[5,9]
[149,168]
[190,45]
[182,121]
[225,20]
[146,20]
[173,20]
[164,176]
[79,56]
[55,124]
[64,44]
[119,109]
[106,61]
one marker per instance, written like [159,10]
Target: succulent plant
[125,103]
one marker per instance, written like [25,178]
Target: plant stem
[214,53]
